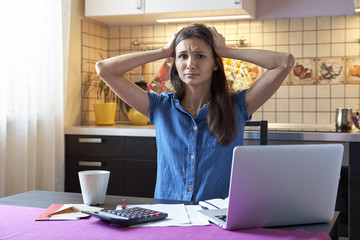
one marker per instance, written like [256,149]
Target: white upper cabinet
[113,7]
[147,11]
[166,6]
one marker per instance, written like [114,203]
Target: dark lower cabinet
[139,178]
[130,160]
[342,202]
[354,191]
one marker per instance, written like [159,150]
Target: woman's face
[194,61]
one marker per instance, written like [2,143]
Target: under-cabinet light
[212,18]
[357,10]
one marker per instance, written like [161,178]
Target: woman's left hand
[219,41]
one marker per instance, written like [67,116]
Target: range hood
[267,9]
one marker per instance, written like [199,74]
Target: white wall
[73,93]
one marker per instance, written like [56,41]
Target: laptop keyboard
[222,217]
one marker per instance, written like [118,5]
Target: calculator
[128,216]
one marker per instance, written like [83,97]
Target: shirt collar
[202,115]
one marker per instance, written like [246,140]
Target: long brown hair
[221,114]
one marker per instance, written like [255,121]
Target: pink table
[18,223]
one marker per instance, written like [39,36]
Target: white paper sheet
[195,218]
[216,203]
[178,215]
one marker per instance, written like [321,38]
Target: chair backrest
[263,124]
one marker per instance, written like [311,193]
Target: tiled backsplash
[316,40]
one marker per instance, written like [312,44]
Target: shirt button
[189,189]
[194,128]
[192,157]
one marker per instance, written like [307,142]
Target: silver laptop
[278,185]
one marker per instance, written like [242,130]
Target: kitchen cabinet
[147,11]
[113,7]
[165,6]
[130,160]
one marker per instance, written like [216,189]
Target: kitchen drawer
[140,148]
[94,146]
[114,165]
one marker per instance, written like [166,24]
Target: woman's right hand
[170,46]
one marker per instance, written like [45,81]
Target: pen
[123,204]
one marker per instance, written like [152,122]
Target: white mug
[93,185]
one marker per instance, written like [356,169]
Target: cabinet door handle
[138,4]
[90,140]
[237,1]
[90,164]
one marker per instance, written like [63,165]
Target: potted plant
[104,111]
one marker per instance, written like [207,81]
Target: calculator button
[155,214]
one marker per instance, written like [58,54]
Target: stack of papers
[178,215]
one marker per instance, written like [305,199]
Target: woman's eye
[182,56]
[201,56]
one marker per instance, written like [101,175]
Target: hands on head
[218,39]
[169,47]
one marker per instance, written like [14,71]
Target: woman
[198,126]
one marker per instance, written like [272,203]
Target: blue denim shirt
[191,164]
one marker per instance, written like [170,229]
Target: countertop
[122,129]
[277,131]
